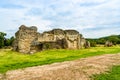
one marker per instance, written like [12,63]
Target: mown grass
[113,74]
[10,60]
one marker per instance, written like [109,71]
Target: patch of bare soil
[70,70]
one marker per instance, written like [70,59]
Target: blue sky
[92,18]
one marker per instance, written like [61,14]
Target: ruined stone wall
[28,40]
[73,39]
[24,37]
[82,42]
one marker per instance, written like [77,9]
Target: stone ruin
[108,44]
[28,40]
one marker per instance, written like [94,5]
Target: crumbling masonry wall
[28,40]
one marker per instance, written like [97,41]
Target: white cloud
[66,14]
[12,19]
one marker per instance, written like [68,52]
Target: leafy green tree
[115,39]
[93,44]
[2,38]
[8,42]
[11,40]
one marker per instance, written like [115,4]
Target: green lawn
[113,74]
[10,60]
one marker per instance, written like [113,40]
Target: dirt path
[70,70]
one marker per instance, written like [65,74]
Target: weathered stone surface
[87,44]
[82,42]
[24,37]
[108,44]
[28,40]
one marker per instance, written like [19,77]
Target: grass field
[113,74]
[10,60]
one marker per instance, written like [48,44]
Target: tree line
[5,41]
[115,39]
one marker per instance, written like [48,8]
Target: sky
[92,18]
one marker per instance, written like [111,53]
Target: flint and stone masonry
[28,40]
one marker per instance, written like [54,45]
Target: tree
[93,44]
[2,38]
[9,41]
